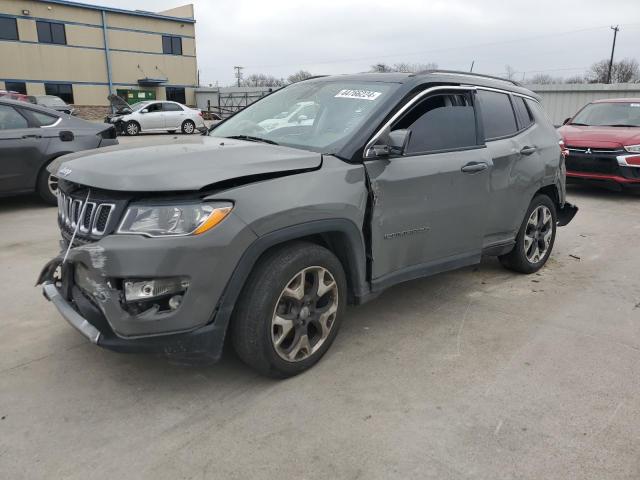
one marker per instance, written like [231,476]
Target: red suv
[603,143]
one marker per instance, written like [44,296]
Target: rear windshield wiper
[249,138]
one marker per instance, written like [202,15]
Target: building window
[176,94]
[8,29]
[62,90]
[171,45]
[49,32]
[18,87]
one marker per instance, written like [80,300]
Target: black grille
[89,222]
[103,217]
[592,160]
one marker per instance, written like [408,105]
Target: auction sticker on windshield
[358,94]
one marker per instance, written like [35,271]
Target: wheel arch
[44,166]
[342,237]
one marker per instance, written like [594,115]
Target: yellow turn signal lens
[214,219]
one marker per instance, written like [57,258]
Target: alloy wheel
[132,129]
[538,233]
[188,127]
[305,314]
[52,184]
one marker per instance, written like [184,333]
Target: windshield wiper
[581,124]
[621,125]
[249,138]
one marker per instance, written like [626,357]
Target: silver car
[154,116]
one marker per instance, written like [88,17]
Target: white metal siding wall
[562,101]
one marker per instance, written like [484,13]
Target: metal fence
[224,102]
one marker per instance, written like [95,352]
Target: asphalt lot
[478,373]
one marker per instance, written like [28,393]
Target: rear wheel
[132,128]
[188,127]
[290,310]
[47,187]
[536,237]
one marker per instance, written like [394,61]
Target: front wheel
[290,309]
[47,187]
[132,128]
[536,237]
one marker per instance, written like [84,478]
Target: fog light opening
[161,294]
[175,301]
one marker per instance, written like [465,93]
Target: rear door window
[523,115]
[497,114]
[440,122]
[171,107]
[10,119]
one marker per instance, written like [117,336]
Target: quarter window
[497,114]
[49,32]
[43,119]
[525,120]
[8,29]
[62,90]
[10,119]
[171,45]
[441,122]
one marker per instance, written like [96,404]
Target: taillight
[109,133]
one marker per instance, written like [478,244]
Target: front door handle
[474,167]
[32,136]
[527,150]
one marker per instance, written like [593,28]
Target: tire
[535,233]
[270,322]
[188,127]
[47,186]
[132,128]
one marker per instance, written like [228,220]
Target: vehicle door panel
[154,118]
[172,118]
[427,211]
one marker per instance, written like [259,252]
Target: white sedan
[155,116]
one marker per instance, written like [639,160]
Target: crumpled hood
[179,163]
[600,137]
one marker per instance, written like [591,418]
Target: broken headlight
[173,220]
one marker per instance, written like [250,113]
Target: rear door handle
[474,167]
[527,150]
[32,136]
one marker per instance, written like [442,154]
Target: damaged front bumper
[89,290]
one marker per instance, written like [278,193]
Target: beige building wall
[135,45]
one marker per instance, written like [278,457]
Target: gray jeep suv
[265,236]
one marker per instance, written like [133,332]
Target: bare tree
[298,76]
[623,71]
[261,80]
[404,67]
[543,79]
[510,72]
[575,79]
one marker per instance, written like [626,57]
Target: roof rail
[469,74]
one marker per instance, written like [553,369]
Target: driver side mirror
[566,120]
[144,110]
[391,143]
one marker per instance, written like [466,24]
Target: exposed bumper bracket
[74,318]
[566,214]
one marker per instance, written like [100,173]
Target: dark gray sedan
[32,136]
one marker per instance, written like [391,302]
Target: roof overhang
[139,13]
[151,82]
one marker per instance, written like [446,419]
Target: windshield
[51,101]
[618,114]
[318,115]
[138,106]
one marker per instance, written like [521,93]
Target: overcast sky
[278,37]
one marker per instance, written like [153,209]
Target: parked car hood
[599,137]
[179,163]
[119,105]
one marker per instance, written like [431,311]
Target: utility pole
[238,74]
[615,29]
[472,64]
